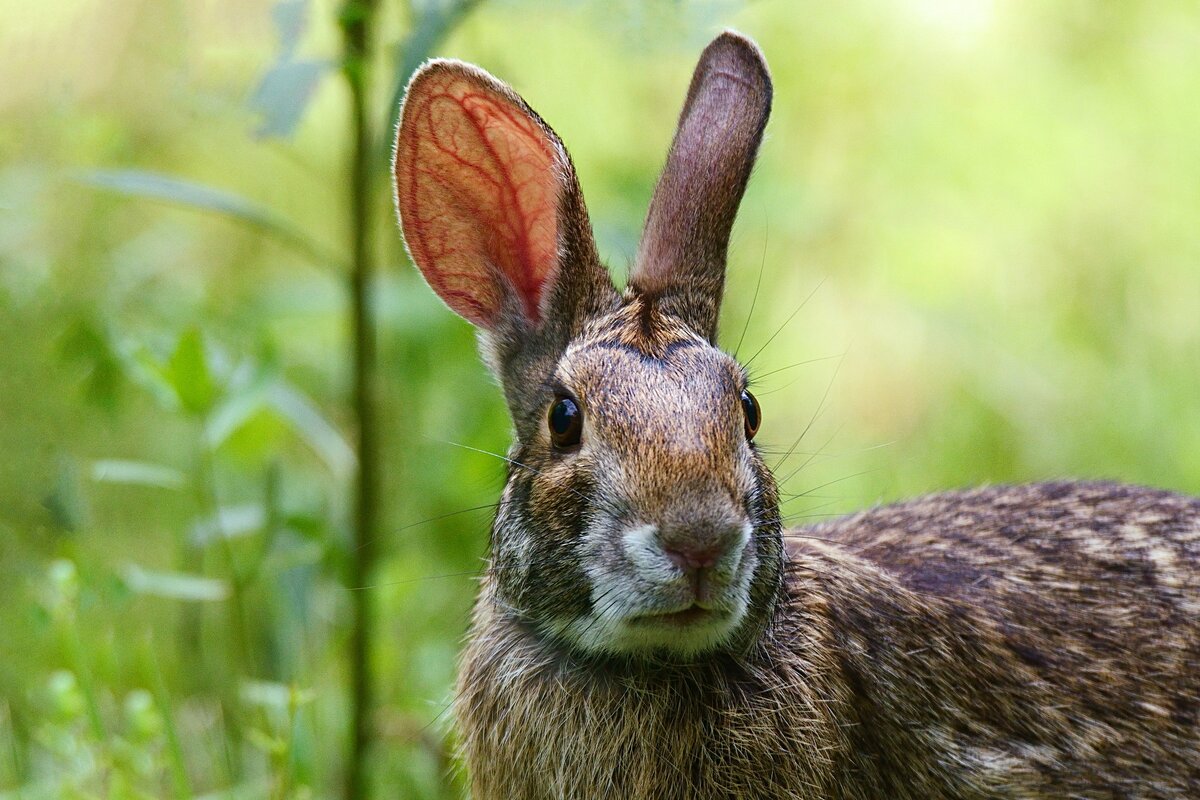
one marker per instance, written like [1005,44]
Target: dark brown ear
[488,201]
[682,254]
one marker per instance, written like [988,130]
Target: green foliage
[138,183]
[990,208]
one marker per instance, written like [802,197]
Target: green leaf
[234,411]
[156,186]
[280,696]
[143,368]
[294,552]
[230,522]
[312,426]
[88,343]
[188,372]
[271,745]
[283,95]
[136,473]
[174,585]
[66,502]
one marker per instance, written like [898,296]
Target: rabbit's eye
[752,412]
[566,422]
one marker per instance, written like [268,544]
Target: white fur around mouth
[638,604]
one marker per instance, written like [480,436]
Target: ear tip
[737,45]
[442,74]
[449,67]
[437,75]
[737,38]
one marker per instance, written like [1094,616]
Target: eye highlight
[565,421]
[752,413]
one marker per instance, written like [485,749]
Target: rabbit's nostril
[693,557]
[705,547]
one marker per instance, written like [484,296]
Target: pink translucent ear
[479,178]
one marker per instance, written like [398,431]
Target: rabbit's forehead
[685,394]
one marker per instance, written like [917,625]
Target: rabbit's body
[1015,642]
[646,630]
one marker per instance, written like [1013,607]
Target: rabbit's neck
[536,721]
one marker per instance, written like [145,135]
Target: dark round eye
[752,412]
[566,422]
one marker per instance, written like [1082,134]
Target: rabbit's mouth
[648,596]
[692,615]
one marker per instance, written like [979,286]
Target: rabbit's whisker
[786,322]
[512,461]
[809,492]
[761,376]
[816,414]
[757,285]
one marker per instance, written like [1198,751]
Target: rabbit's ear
[682,254]
[490,205]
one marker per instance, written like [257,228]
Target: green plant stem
[239,661]
[356,19]
[73,643]
[179,776]
[11,736]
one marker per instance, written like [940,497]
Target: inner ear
[493,217]
[479,183]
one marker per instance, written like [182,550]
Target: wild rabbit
[647,629]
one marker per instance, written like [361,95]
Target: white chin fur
[631,578]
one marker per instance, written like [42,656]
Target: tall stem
[356,19]
[237,668]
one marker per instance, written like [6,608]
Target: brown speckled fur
[1028,642]
[1012,642]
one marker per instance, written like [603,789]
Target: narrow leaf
[308,421]
[230,522]
[283,95]
[156,186]
[136,473]
[174,585]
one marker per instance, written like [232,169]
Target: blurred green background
[975,225]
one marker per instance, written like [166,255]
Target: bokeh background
[970,254]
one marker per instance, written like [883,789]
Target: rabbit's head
[638,518]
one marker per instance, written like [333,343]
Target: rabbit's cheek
[537,561]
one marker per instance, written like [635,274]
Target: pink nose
[693,556]
[696,548]
[697,554]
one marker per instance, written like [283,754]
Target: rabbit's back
[1043,636]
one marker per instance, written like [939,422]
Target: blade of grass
[179,776]
[157,186]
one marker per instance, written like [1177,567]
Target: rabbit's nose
[690,556]
[702,551]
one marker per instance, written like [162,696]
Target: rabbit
[646,628]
